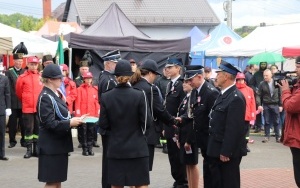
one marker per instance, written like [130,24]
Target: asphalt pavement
[268,165]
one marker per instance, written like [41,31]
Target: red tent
[291,51]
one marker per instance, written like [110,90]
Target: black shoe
[165,148]
[79,145]
[11,145]
[278,140]
[95,144]
[4,158]
[257,130]
[85,153]
[90,152]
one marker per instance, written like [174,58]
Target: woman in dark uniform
[55,139]
[187,140]
[125,113]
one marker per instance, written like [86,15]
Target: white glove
[8,112]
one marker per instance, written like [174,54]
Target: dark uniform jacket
[227,125]
[157,110]
[201,105]
[5,101]
[125,113]
[54,134]
[174,96]
[107,81]
[13,75]
[162,83]
[264,97]
[78,81]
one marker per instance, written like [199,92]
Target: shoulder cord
[154,119]
[146,117]
[40,108]
[55,106]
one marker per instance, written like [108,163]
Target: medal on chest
[198,100]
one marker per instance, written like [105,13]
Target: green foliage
[245,30]
[23,22]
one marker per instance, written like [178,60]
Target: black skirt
[53,168]
[189,159]
[128,172]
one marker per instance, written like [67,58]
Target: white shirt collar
[224,90]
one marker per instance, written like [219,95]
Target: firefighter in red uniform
[87,103]
[28,88]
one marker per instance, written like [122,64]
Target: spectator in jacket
[70,86]
[207,75]
[47,60]
[291,133]
[254,83]
[28,88]
[128,156]
[15,119]
[249,73]
[268,99]
[84,67]
[55,139]
[87,103]
[250,103]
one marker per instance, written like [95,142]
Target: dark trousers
[178,170]
[86,132]
[296,164]
[258,122]
[207,177]
[151,149]
[31,124]
[271,115]
[105,184]
[2,135]
[96,132]
[15,121]
[225,174]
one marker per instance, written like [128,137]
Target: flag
[60,60]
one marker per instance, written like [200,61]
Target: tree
[245,30]
[20,21]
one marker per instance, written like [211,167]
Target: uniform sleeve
[19,88]
[78,102]
[7,93]
[71,97]
[46,114]
[103,121]
[291,101]
[234,126]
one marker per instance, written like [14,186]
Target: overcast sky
[245,12]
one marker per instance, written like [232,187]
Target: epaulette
[108,90]
[210,87]
[137,88]
[78,77]
[11,68]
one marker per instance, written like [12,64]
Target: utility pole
[227,6]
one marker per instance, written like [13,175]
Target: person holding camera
[269,101]
[291,131]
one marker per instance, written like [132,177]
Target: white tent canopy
[36,45]
[270,38]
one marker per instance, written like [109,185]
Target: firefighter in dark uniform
[16,105]
[149,70]
[202,100]
[106,82]
[226,142]
[174,96]
[5,110]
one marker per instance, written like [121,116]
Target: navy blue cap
[227,67]
[52,71]
[172,61]
[150,65]
[192,70]
[123,68]
[112,56]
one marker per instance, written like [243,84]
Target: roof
[57,28]
[149,12]
[59,12]
[117,22]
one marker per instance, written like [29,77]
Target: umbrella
[268,57]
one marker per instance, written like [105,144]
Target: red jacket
[248,93]
[28,88]
[87,101]
[291,101]
[71,92]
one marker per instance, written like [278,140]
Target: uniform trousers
[178,169]
[105,184]
[86,132]
[15,120]
[296,164]
[31,124]
[225,174]
[207,177]
[2,135]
